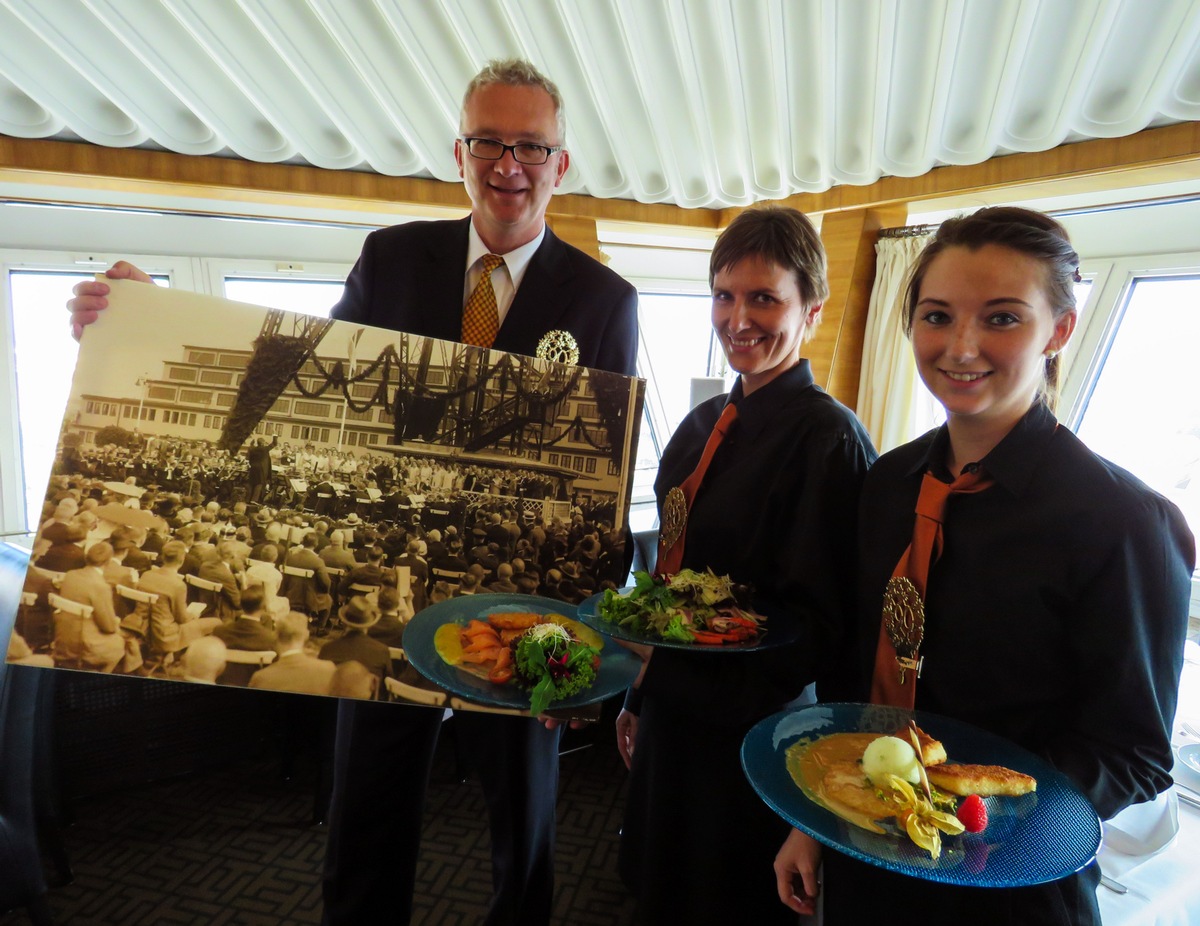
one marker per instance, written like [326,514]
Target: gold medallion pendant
[674,518]
[558,347]
[904,621]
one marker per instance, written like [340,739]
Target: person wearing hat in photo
[395,612]
[568,585]
[68,553]
[259,521]
[467,585]
[360,614]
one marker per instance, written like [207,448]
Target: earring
[1051,354]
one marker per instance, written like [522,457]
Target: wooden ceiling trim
[80,165]
[1154,155]
[1151,156]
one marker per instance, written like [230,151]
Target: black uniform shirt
[776,510]
[1057,614]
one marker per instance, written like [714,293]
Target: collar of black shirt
[760,410]
[1011,463]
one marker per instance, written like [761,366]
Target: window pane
[676,345]
[1144,411]
[45,360]
[310,297]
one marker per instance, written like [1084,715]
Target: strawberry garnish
[972,814]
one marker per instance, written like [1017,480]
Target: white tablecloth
[1164,888]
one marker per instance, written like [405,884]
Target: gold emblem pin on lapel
[904,620]
[558,347]
[674,518]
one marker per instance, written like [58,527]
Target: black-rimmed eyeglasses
[488,149]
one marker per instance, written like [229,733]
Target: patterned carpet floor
[236,844]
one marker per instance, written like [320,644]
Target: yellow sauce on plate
[829,772]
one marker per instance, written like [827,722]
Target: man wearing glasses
[418,278]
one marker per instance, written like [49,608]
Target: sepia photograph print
[253,497]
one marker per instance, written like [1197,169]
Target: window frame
[195,274]
[1113,281]
[1112,286]
[182,271]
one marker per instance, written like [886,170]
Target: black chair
[24,755]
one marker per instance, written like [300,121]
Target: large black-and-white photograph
[260,498]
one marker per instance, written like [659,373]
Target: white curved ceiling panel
[763,89]
[670,135]
[1048,69]
[810,88]
[49,84]
[1122,96]
[332,117]
[715,69]
[21,115]
[701,103]
[983,58]
[1184,98]
[107,58]
[910,54]
[856,76]
[557,39]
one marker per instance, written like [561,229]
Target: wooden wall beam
[836,351]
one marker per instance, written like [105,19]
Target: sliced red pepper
[711,638]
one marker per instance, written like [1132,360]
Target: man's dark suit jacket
[410,278]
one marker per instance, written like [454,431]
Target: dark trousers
[516,759]
[382,758]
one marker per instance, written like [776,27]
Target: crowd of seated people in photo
[330,482]
[130,578]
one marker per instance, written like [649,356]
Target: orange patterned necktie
[902,628]
[679,500]
[481,317]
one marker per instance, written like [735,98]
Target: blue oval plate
[1031,839]
[618,667]
[777,632]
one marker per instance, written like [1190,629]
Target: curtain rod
[907,231]
[911,231]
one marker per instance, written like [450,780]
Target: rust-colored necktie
[677,504]
[481,316]
[902,628]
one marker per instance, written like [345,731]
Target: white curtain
[889,404]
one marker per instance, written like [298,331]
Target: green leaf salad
[553,665]
[688,607]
